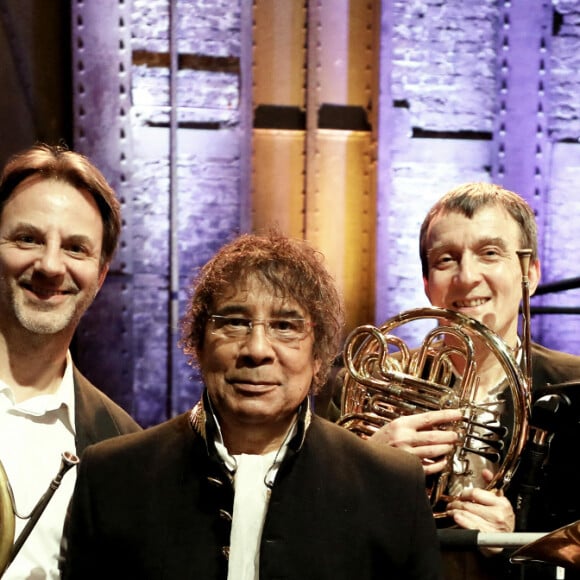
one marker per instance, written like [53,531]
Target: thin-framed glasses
[278,329]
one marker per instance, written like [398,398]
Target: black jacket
[158,504]
[97,417]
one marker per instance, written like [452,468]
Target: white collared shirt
[33,436]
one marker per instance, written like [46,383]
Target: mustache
[41,283]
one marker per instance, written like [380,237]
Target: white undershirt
[250,506]
[33,436]
[253,475]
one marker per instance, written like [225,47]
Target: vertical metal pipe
[385,133]
[246,114]
[312,90]
[173,331]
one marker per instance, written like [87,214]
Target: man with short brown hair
[59,226]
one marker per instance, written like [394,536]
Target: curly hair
[468,199]
[291,268]
[59,163]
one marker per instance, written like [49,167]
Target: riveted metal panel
[385,124]
[521,151]
[278,198]
[101,100]
[340,163]
[341,217]
[345,49]
[278,85]
[279,36]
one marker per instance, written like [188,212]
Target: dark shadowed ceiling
[35,92]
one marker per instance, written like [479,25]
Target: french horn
[384,379]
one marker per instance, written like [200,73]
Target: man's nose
[257,343]
[468,270]
[50,261]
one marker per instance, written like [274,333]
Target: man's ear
[534,275]
[426,288]
[102,275]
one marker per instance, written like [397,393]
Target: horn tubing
[68,460]
[7,520]
[525,256]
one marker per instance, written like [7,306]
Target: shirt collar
[204,422]
[63,399]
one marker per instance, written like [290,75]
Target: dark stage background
[339,121]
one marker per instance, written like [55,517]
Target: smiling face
[50,249]
[254,381]
[473,267]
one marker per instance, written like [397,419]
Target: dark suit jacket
[158,504]
[96,416]
[556,502]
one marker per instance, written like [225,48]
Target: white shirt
[253,477]
[33,436]
[250,506]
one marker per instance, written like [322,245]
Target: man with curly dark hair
[250,484]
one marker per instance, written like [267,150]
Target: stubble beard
[46,319]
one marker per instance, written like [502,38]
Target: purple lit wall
[463,87]
[181,189]
[480,91]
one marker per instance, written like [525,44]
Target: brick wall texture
[445,86]
[207,189]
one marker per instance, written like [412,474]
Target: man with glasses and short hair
[250,484]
